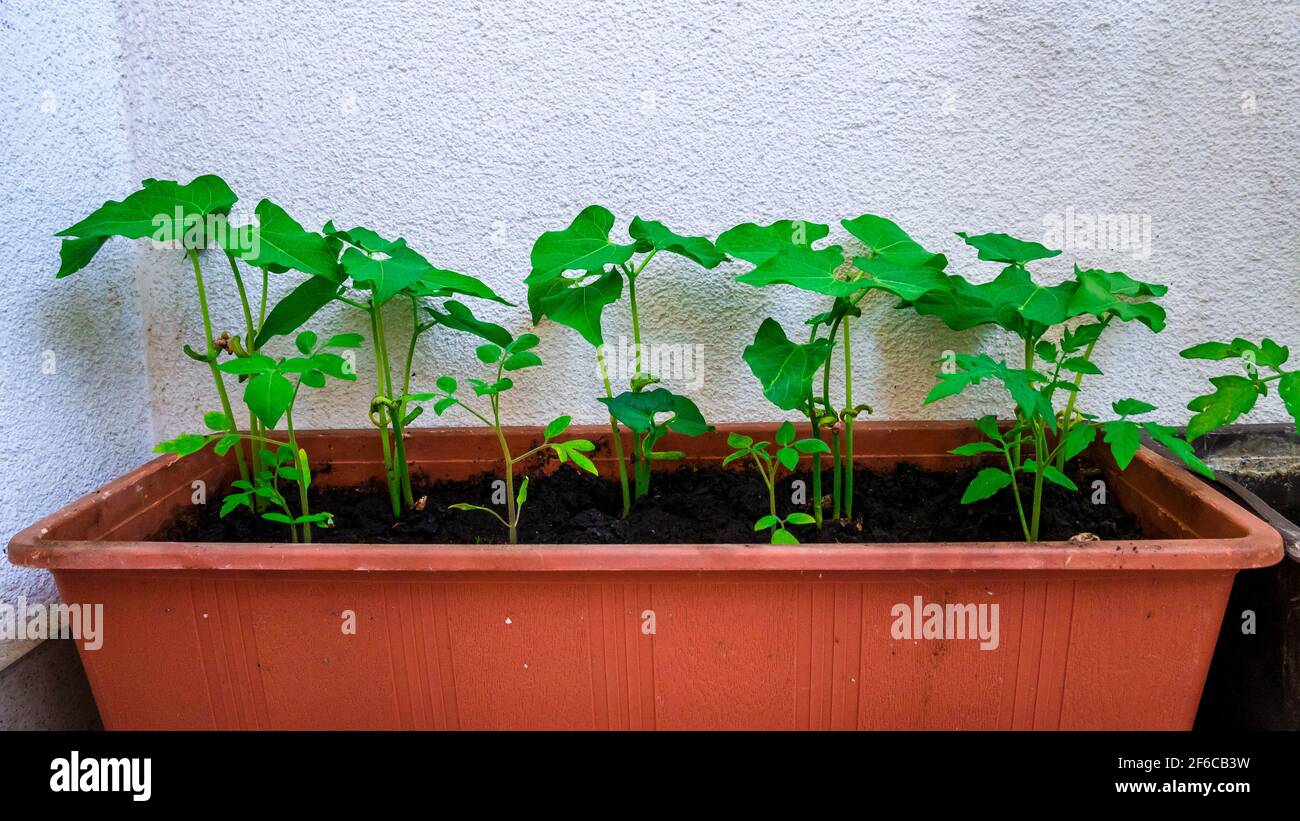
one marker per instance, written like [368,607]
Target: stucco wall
[73,385]
[471,127]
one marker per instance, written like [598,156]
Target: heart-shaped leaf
[784,368]
[759,243]
[580,307]
[583,246]
[653,235]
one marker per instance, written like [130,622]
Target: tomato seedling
[1040,440]
[1235,395]
[787,456]
[515,354]
[270,392]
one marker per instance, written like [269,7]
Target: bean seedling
[642,413]
[599,267]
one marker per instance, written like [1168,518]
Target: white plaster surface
[470,127]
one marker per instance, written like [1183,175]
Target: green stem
[817,465]
[402,470]
[393,484]
[1040,452]
[250,344]
[302,473]
[848,423]
[837,475]
[211,351]
[1068,416]
[1013,469]
[615,437]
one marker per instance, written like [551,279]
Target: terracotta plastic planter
[1092,636]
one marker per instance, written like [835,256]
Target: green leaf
[344,341]
[803,267]
[306,342]
[1288,387]
[737,440]
[988,425]
[334,365]
[1094,295]
[1050,473]
[519,361]
[1077,364]
[282,243]
[574,450]
[314,379]
[75,254]
[650,234]
[986,483]
[789,457]
[1019,383]
[268,396]
[1081,337]
[783,536]
[1132,407]
[1233,395]
[272,516]
[758,243]
[1180,448]
[1004,248]
[1271,354]
[812,446]
[488,353]
[162,208]
[766,522]
[557,426]
[438,282]
[524,342]
[446,384]
[1081,435]
[257,363]
[482,388]
[731,457]
[216,420]
[580,306]
[300,305]
[224,445]
[460,318]
[1124,438]
[1046,351]
[785,433]
[235,500]
[183,445]
[907,280]
[975,448]
[583,246]
[639,411]
[800,519]
[1217,351]
[522,495]
[883,238]
[784,368]
[385,275]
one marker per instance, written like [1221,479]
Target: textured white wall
[73,384]
[471,127]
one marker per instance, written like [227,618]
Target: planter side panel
[212,649]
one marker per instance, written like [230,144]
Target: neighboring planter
[1254,682]
[1101,635]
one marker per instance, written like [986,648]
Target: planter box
[1092,636]
[1254,680]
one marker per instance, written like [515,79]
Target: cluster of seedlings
[579,271]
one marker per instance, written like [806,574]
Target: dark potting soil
[685,505]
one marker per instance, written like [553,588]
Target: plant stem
[817,464]
[1040,457]
[848,423]
[402,470]
[302,473]
[1067,417]
[615,437]
[250,344]
[1015,491]
[836,474]
[393,490]
[210,350]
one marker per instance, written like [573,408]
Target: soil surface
[686,505]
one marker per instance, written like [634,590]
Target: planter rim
[1256,544]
